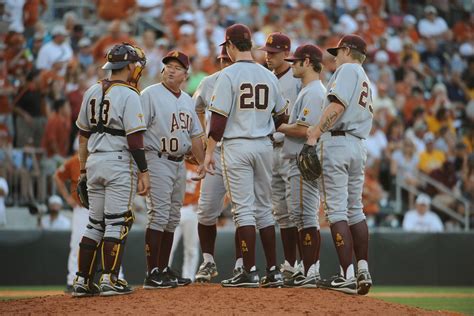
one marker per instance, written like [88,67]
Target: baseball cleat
[364,282]
[287,270]
[108,287]
[300,280]
[243,279]
[272,279]
[339,283]
[82,288]
[174,277]
[158,280]
[207,271]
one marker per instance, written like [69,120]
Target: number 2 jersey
[350,85]
[122,110]
[249,95]
[171,120]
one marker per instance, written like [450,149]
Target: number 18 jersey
[248,94]
[122,110]
[350,85]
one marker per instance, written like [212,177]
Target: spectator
[422,219]
[433,26]
[117,33]
[434,61]
[84,55]
[404,164]
[54,220]
[118,10]
[17,56]
[57,50]
[372,194]
[445,175]
[430,159]
[7,90]
[32,11]
[151,73]
[3,196]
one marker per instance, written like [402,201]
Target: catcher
[304,192]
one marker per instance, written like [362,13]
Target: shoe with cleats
[207,271]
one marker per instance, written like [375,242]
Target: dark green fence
[40,258]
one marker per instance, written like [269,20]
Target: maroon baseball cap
[277,42]
[351,41]
[237,33]
[223,54]
[310,51]
[178,56]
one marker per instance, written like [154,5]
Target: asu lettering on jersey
[171,119]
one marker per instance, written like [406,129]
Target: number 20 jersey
[122,110]
[249,95]
[350,85]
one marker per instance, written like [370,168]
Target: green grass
[422,289]
[462,305]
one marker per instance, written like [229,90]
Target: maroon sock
[87,258]
[267,236]
[360,237]
[247,236]
[299,242]
[318,248]
[341,235]
[238,251]
[207,238]
[152,247]
[309,244]
[289,239]
[165,250]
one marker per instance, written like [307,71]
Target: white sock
[208,257]
[316,266]
[254,268]
[239,263]
[362,265]
[272,268]
[350,272]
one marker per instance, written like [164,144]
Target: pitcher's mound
[205,299]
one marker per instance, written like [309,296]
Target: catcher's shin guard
[87,258]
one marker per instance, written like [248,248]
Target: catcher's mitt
[309,164]
[82,192]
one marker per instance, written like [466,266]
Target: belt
[277,144]
[338,133]
[172,158]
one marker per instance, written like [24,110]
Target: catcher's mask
[121,55]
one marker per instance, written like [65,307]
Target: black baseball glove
[82,191]
[309,164]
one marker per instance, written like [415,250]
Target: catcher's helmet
[123,54]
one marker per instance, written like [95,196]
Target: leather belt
[338,133]
[172,158]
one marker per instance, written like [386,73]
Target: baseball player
[111,128]
[277,48]
[213,189]
[340,134]
[246,100]
[173,131]
[304,195]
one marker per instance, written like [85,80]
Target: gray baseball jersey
[306,111]
[290,87]
[351,86]
[172,121]
[121,110]
[248,94]
[202,95]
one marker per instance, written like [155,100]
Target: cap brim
[292,58]
[168,58]
[119,65]
[332,51]
[271,49]
[222,44]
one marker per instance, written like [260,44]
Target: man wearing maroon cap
[246,106]
[345,123]
[277,48]
[173,130]
[303,198]
[213,190]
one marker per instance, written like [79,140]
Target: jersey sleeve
[221,100]
[311,109]
[200,97]
[147,107]
[133,118]
[196,128]
[82,121]
[344,85]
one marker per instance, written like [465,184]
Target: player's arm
[137,149]
[216,132]
[293,130]
[330,115]
[59,175]
[83,153]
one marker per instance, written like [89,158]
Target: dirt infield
[213,299]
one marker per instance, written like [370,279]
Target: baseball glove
[82,192]
[309,164]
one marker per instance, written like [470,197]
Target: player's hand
[201,173]
[143,183]
[209,163]
[70,200]
[312,134]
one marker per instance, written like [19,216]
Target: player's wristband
[139,157]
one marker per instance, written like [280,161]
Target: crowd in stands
[420,62]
